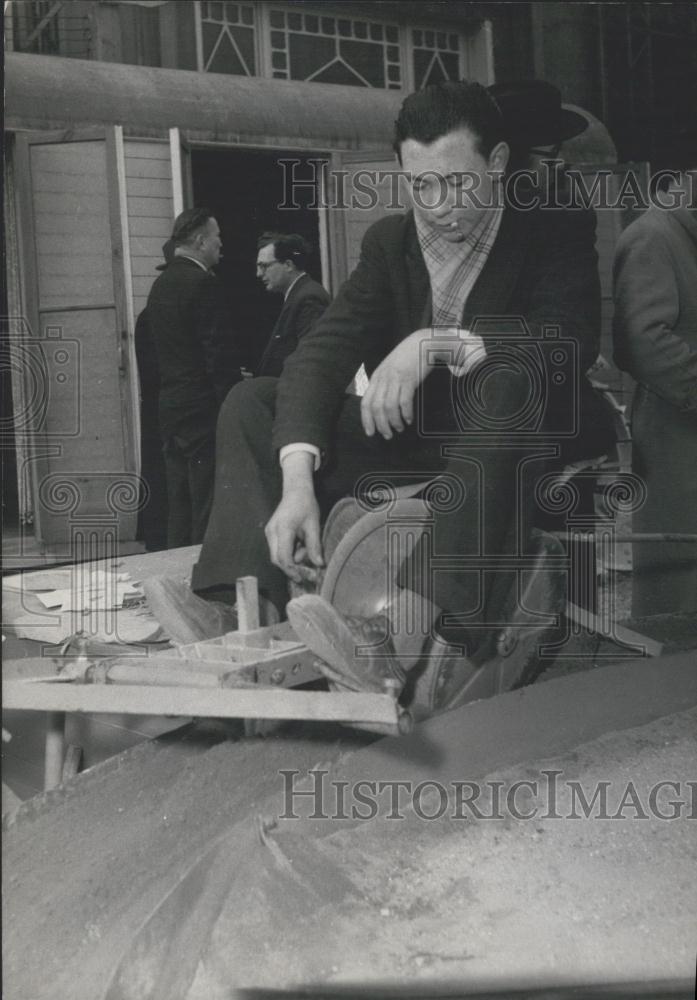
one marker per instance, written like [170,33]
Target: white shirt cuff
[288,449]
[473,352]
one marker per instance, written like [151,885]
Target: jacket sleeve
[353,327]
[647,309]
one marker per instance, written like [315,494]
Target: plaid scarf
[454,267]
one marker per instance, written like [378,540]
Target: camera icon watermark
[45,374]
[515,385]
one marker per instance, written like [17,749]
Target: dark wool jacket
[303,307]
[191,336]
[542,270]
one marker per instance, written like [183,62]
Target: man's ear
[499,157]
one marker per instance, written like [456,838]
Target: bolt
[506,642]
[277,676]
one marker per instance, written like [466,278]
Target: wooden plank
[218,703]
[152,207]
[618,633]
[147,187]
[146,246]
[161,228]
[144,169]
[62,292]
[54,182]
[145,267]
[146,149]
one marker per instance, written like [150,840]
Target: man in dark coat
[655,330]
[475,323]
[188,327]
[281,266]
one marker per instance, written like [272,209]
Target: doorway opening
[244,188]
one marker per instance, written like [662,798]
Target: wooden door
[76,410]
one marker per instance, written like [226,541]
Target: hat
[167,253]
[533,113]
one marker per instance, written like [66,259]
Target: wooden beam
[222,703]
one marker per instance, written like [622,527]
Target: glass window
[227,38]
[435,56]
[350,51]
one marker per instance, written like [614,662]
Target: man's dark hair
[189,223]
[292,247]
[440,108]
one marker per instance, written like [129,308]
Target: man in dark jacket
[475,322]
[281,266]
[187,324]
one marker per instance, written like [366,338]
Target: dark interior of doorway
[244,189]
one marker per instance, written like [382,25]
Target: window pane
[278,60]
[278,19]
[366,59]
[436,74]
[451,64]
[344,28]
[307,55]
[376,32]
[210,33]
[278,40]
[247,15]
[226,59]
[232,12]
[360,29]
[328,25]
[391,33]
[245,43]
[311,23]
[295,22]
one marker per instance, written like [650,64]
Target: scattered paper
[125,627]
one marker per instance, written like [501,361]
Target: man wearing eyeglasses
[281,264]
[190,332]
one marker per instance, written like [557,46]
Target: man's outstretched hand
[293,533]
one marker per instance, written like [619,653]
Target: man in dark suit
[281,266]
[453,309]
[188,327]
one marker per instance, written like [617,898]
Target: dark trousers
[190,470]
[480,507]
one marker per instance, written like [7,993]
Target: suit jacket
[542,268]
[302,308]
[191,335]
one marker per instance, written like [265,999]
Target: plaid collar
[453,268]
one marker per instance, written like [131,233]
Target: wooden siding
[150,211]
